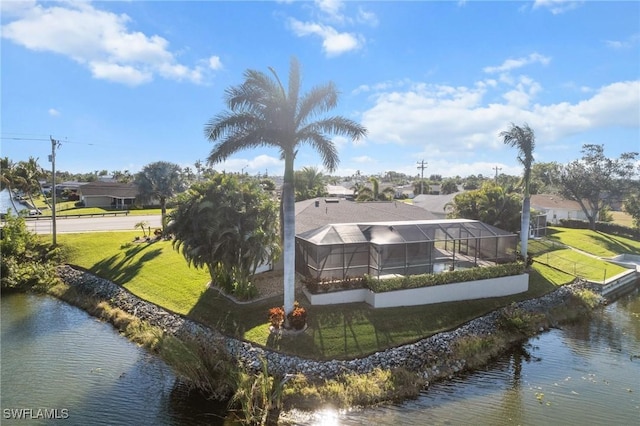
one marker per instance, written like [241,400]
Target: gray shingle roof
[308,216]
[109,189]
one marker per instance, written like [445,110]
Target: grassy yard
[594,242]
[622,218]
[156,272]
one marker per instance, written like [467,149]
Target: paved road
[91,224]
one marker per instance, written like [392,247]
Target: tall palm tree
[263,113]
[524,139]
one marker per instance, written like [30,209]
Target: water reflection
[54,355]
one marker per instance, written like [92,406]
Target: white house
[557,208]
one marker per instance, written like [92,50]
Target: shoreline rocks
[430,356]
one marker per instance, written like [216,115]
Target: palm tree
[159,181]
[373,193]
[524,139]
[8,179]
[28,174]
[309,183]
[263,113]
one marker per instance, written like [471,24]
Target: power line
[47,139]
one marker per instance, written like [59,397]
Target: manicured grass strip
[579,264]
[593,242]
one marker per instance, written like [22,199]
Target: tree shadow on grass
[348,331]
[121,268]
[614,245]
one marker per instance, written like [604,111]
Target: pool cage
[335,252]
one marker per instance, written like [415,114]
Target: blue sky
[123,84]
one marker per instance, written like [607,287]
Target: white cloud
[628,43]
[463,122]
[260,163]
[557,7]
[511,64]
[99,40]
[364,159]
[215,63]
[367,17]
[126,74]
[53,112]
[333,8]
[333,42]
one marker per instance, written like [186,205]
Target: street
[91,224]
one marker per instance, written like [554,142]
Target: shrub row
[606,227]
[428,280]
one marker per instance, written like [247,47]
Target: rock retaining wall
[430,356]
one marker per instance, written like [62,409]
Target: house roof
[109,189]
[332,211]
[434,203]
[401,232]
[550,201]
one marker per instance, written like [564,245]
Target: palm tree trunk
[163,213]
[524,226]
[288,207]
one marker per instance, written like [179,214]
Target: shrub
[428,280]
[516,320]
[327,285]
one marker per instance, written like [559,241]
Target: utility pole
[496,168]
[52,158]
[422,166]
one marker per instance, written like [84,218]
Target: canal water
[55,357]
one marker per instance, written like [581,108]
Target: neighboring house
[339,191]
[435,204]
[108,194]
[557,208]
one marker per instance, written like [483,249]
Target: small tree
[229,226]
[142,225]
[632,207]
[490,204]
[595,180]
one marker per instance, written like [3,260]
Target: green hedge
[428,280]
[606,227]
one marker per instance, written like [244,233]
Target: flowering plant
[298,317]
[276,316]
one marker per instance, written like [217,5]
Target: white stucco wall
[495,287]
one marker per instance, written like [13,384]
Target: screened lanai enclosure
[335,252]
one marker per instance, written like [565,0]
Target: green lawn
[594,242]
[156,272]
